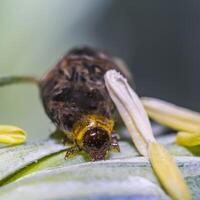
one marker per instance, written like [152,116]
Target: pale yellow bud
[168,173]
[12,135]
[188,139]
[172,116]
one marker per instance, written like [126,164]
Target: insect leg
[71,151]
[114,142]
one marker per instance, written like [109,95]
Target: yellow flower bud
[12,135]
[168,173]
[172,116]
[188,139]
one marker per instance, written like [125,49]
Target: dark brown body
[75,86]
[75,98]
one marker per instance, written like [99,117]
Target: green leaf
[39,171]
[59,184]
[12,159]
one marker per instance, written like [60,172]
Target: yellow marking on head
[88,122]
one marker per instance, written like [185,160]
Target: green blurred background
[34,34]
[159,40]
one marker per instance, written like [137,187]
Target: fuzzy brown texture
[75,87]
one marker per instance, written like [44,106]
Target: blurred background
[159,40]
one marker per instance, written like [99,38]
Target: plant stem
[17,79]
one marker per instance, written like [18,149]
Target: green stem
[17,79]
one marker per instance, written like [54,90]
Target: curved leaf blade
[15,158]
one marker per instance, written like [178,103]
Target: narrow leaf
[13,159]
[51,160]
[96,181]
[111,178]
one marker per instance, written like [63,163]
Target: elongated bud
[130,109]
[188,139]
[12,135]
[168,172]
[172,116]
[135,118]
